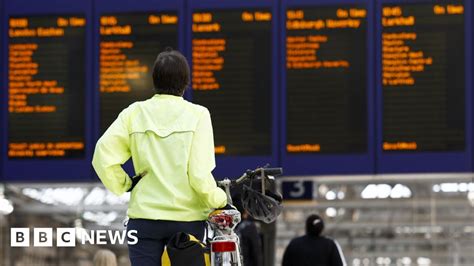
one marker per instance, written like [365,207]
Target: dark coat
[313,251]
[250,243]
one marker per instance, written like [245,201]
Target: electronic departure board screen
[231,76]
[423,77]
[129,44]
[326,79]
[46,86]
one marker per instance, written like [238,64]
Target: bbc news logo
[69,237]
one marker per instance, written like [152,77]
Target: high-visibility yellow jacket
[172,140]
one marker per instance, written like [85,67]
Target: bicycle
[224,242]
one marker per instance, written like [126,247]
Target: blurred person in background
[105,257]
[313,249]
[171,143]
[250,241]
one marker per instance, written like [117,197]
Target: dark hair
[314,225]
[170,73]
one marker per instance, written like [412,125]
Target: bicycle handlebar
[252,173]
[273,171]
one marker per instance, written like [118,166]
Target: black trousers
[153,235]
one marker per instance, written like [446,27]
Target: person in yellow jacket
[171,143]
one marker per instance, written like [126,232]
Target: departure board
[423,77]
[46,86]
[326,79]
[231,76]
[129,45]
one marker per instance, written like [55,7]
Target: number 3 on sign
[297,190]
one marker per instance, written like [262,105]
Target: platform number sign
[297,190]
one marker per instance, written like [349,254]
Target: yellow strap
[207,259]
[193,238]
[165,258]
